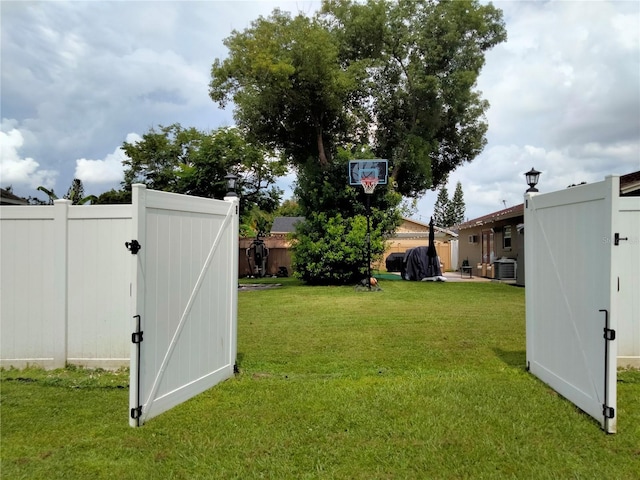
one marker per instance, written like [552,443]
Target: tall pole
[368,241]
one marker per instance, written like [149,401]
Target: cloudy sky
[81,77]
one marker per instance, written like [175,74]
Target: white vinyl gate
[184,298]
[572,280]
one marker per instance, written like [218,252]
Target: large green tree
[429,116]
[399,77]
[403,72]
[291,91]
[448,212]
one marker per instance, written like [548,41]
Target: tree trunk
[322,157]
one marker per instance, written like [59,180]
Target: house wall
[280,254]
[473,251]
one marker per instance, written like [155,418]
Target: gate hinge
[608,412]
[609,334]
[136,412]
[617,238]
[136,337]
[133,246]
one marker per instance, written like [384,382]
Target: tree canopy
[290,90]
[193,162]
[402,74]
[394,80]
[457,206]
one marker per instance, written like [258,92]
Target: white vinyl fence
[65,283]
[582,249]
[185,291]
[66,280]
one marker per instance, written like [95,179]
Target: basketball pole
[368,240]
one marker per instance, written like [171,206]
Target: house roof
[285,224]
[282,225]
[504,214]
[8,198]
[425,226]
[630,184]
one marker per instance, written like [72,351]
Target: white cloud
[108,170]
[18,171]
[105,171]
[564,94]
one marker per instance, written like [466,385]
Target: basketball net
[369,184]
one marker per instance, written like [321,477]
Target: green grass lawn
[419,380]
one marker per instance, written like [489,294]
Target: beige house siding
[482,240]
[410,234]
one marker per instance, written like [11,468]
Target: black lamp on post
[532,177]
[232,181]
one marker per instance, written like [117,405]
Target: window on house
[506,238]
[473,238]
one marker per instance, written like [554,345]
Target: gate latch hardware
[133,246]
[617,238]
[609,334]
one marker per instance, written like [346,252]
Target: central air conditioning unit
[505,269]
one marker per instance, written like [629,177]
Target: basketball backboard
[368,168]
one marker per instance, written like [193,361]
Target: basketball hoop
[369,184]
